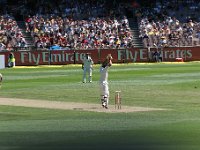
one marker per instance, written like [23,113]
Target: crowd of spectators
[80,25]
[69,24]
[10,34]
[93,24]
[79,34]
[170,24]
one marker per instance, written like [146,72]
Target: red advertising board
[63,57]
[56,57]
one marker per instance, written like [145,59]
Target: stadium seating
[176,21]
[94,24]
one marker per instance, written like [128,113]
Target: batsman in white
[104,90]
[87,67]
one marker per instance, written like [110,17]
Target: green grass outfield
[172,86]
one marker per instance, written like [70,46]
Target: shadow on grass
[92,140]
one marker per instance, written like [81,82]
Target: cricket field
[49,108]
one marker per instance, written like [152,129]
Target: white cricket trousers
[104,90]
[89,72]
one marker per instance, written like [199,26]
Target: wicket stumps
[118,99]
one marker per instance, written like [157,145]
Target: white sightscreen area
[2,61]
